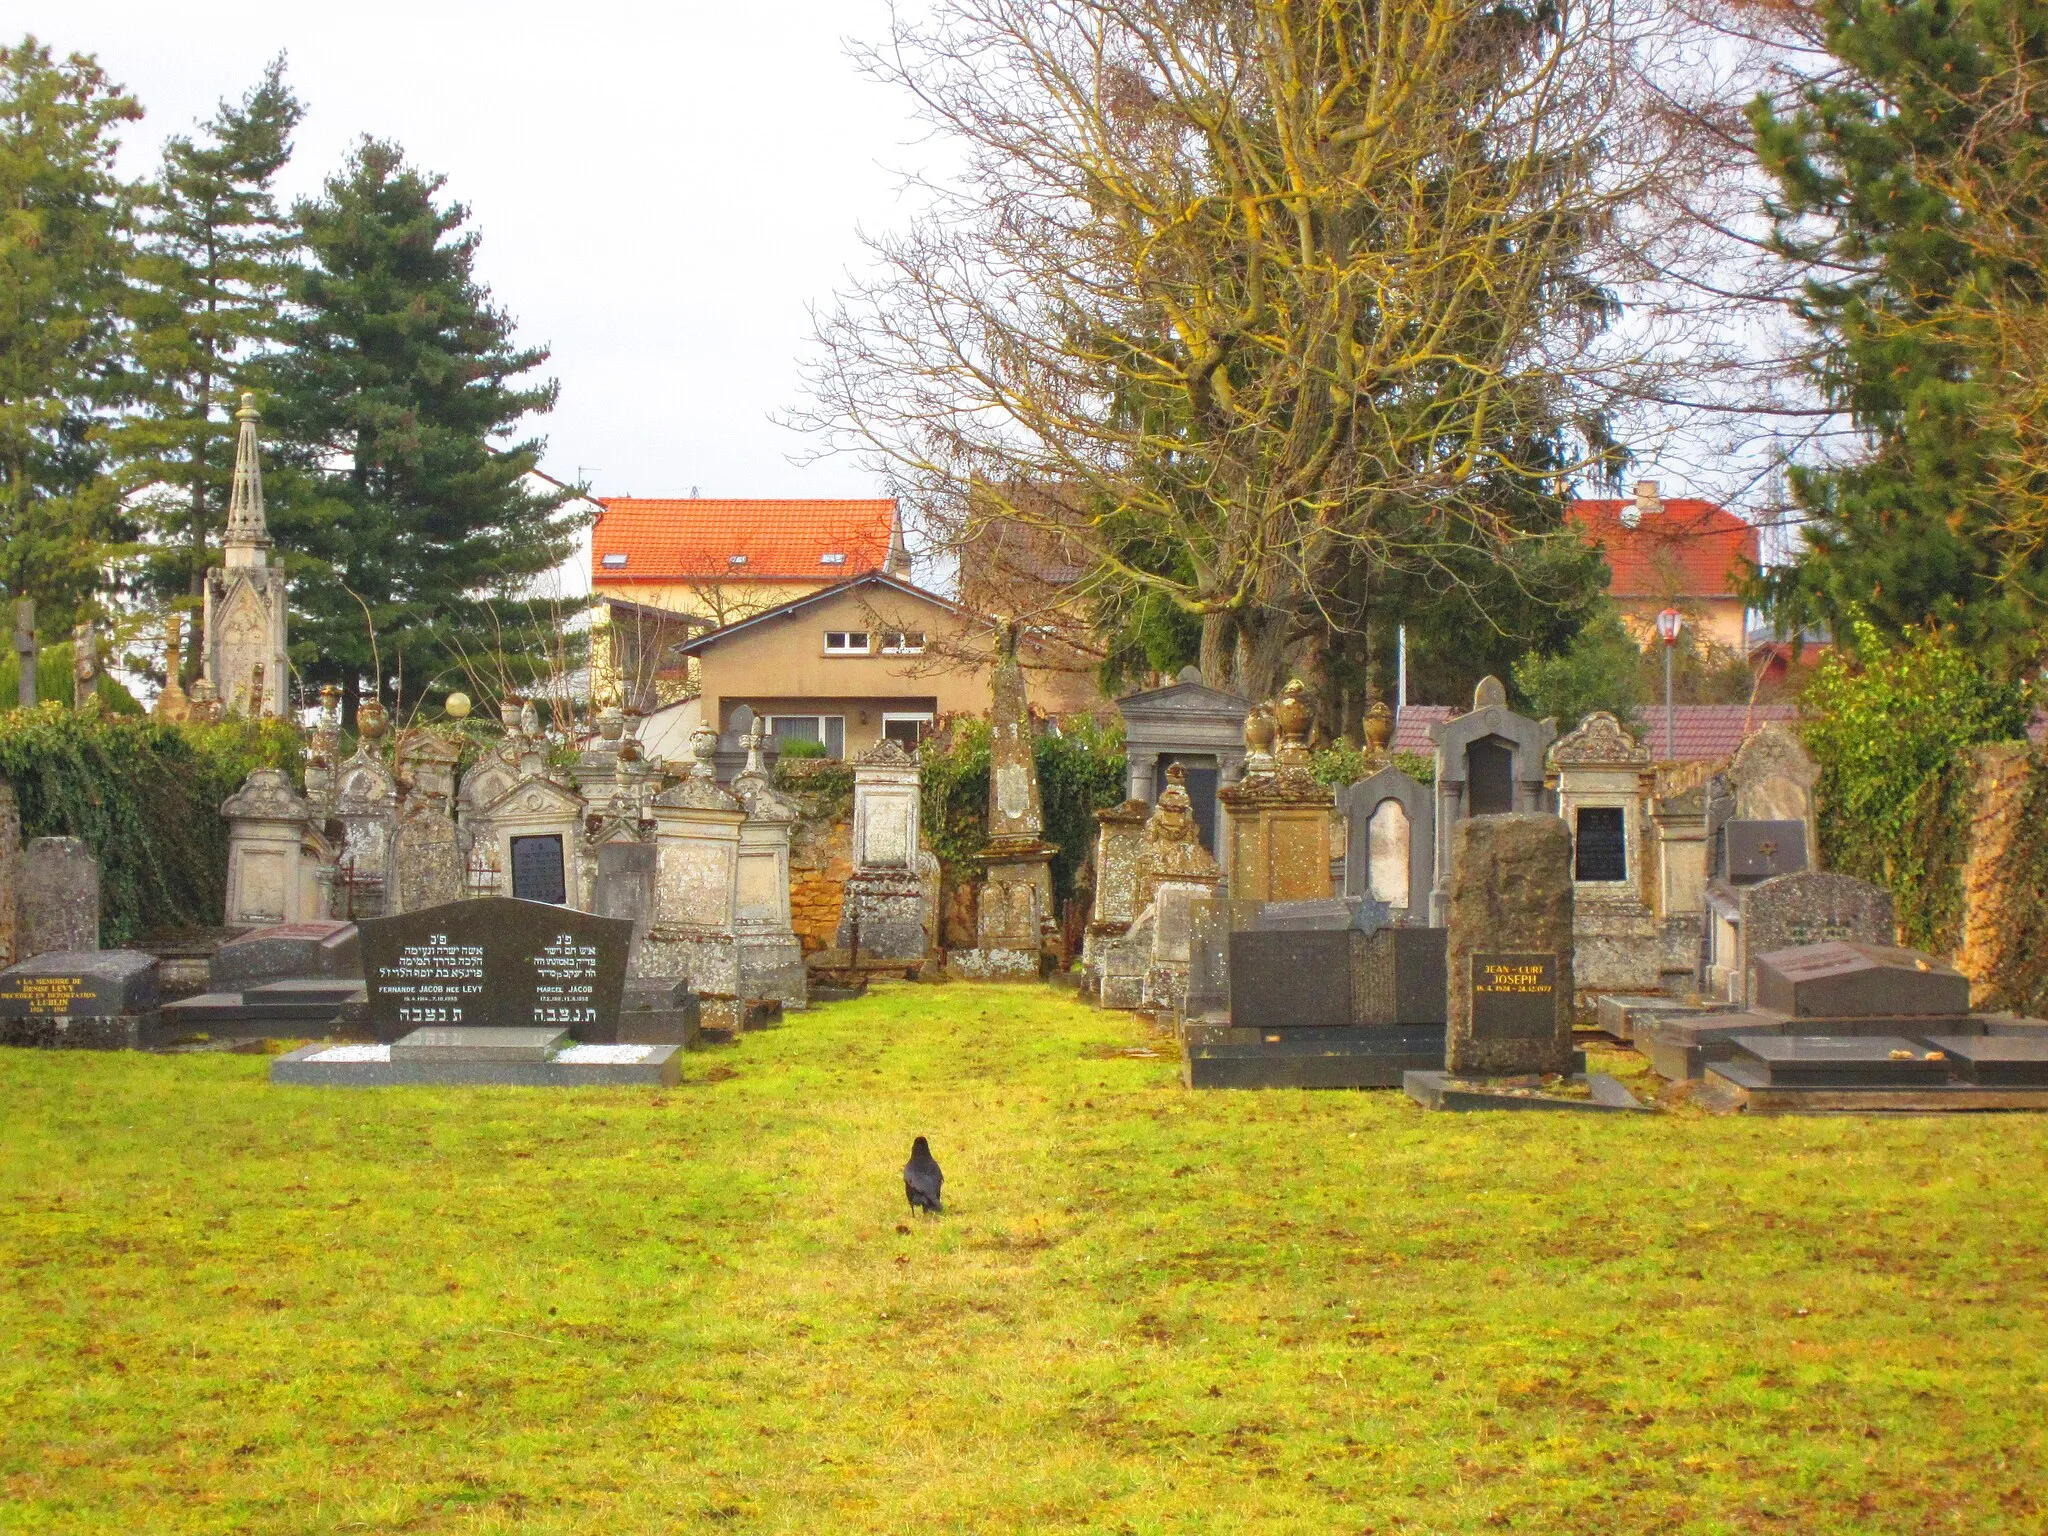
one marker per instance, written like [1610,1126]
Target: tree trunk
[1215,661]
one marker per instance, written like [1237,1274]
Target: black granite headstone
[1361,914]
[1757,850]
[1402,979]
[1293,979]
[1489,778]
[496,962]
[1514,996]
[1600,850]
[1840,980]
[538,871]
[79,984]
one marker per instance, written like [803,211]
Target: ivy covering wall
[1080,771]
[146,798]
[1893,734]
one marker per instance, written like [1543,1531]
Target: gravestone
[273,853]
[1292,978]
[1390,840]
[1835,1061]
[1278,836]
[10,874]
[1509,949]
[1119,844]
[1601,771]
[323,948]
[625,889]
[882,918]
[1208,994]
[1015,908]
[1489,761]
[1403,978]
[85,999]
[1201,729]
[1760,850]
[1177,877]
[771,955]
[540,868]
[1858,980]
[1772,777]
[1813,907]
[494,962]
[1361,914]
[696,889]
[60,897]
[1992,1061]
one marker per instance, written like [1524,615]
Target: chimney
[1645,505]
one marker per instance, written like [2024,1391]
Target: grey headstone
[1812,907]
[315,949]
[60,897]
[93,983]
[1509,949]
[1359,914]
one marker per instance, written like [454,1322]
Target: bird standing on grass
[922,1178]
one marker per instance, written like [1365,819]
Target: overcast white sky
[661,188]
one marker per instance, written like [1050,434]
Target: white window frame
[903,647]
[847,647]
[824,736]
[891,717]
[612,562]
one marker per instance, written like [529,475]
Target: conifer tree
[63,250]
[208,278]
[402,501]
[1909,185]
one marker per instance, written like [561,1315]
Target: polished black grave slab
[2004,1061]
[80,984]
[1215,1056]
[1842,1061]
[1844,980]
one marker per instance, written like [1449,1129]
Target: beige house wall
[721,602]
[779,667]
[1720,619]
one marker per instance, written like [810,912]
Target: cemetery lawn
[234,1307]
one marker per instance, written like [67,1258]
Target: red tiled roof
[1700,732]
[1690,549]
[696,539]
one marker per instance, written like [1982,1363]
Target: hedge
[146,798]
[1080,771]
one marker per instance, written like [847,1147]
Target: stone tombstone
[427,865]
[1858,980]
[10,874]
[1208,993]
[316,949]
[1489,762]
[244,654]
[1014,912]
[366,806]
[494,962]
[1199,727]
[1508,955]
[1813,907]
[625,889]
[534,833]
[1177,877]
[60,897]
[882,917]
[1292,978]
[696,888]
[1773,776]
[1601,770]
[94,984]
[1119,844]
[1277,836]
[1390,841]
[771,955]
[274,855]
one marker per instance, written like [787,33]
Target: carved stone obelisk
[244,645]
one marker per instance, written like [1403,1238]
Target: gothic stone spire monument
[1016,901]
[244,655]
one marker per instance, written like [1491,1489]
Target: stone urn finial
[1379,727]
[373,722]
[1258,732]
[703,747]
[1293,718]
[611,723]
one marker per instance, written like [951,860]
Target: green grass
[233,1307]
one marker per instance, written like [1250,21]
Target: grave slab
[1358,914]
[285,950]
[2001,1061]
[465,1043]
[577,1066]
[1842,1061]
[1845,980]
[1403,978]
[1442,1090]
[1216,1056]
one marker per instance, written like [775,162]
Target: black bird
[921,1177]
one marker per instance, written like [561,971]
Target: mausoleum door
[1489,777]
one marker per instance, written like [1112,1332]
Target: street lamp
[1669,623]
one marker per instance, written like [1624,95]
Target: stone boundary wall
[820,860]
[2004,949]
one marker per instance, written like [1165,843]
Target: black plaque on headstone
[1514,996]
[1600,848]
[538,872]
[495,962]
[1758,850]
[1489,778]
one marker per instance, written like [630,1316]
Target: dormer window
[903,642]
[832,559]
[846,642]
[615,562]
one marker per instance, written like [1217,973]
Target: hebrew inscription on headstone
[495,962]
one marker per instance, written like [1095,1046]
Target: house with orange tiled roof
[665,569]
[1681,553]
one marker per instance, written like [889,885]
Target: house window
[906,729]
[829,731]
[846,642]
[615,562]
[903,642]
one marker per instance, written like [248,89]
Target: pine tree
[208,279]
[395,504]
[1909,181]
[63,251]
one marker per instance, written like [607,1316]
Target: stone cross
[25,650]
[85,663]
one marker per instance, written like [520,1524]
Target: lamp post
[1669,623]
